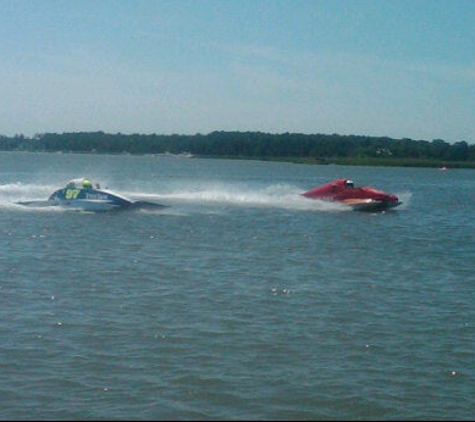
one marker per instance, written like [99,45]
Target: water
[242,300]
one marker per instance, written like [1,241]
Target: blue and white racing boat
[79,194]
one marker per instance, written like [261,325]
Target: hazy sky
[402,68]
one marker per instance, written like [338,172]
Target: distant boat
[184,154]
[443,168]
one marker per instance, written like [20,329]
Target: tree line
[290,146]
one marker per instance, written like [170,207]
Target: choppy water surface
[241,300]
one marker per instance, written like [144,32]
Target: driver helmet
[349,183]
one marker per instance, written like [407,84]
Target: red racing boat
[358,198]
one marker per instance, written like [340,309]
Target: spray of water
[274,196]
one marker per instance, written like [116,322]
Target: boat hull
[370,204]
[96,200]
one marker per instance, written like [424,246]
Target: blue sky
[403,69]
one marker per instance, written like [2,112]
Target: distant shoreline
[402,162]
[318,149]
[371,162]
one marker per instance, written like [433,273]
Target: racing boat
[79,194]
[364,198]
